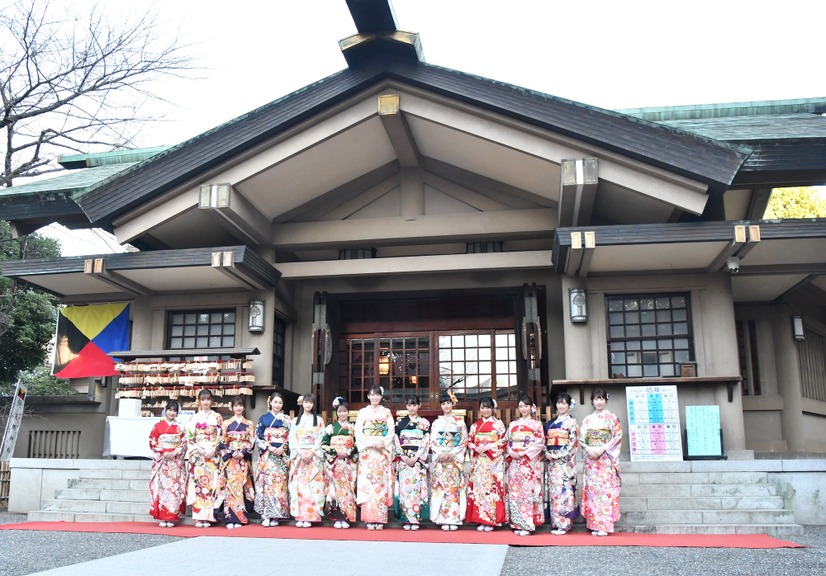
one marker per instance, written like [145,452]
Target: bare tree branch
[71,83]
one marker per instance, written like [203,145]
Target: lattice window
[649,335]
[811,353]
[201,329]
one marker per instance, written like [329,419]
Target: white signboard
[654,423]
[702,426]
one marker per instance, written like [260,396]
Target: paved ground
[28,552]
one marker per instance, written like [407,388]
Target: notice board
[702,431]
[654,423]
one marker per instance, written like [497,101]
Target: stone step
[114,474]
[699,490]
[661,517]
[643,503]
[63,516]
[75,505]
[125,495]
[775,530]
[135,508]
[77,494]
[101,484]
[733,490]
[681,478]
[106,495]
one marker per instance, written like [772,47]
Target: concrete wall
[715,345]
[780,419]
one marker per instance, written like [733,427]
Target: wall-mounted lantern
[256,316]
[797,328]
[579,308]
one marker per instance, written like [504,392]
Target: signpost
[13,423]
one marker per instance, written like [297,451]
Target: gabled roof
[680,152]
[55,199]
[787,137]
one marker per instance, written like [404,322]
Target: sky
[636,53]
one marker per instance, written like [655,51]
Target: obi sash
[411,439]
[238,441]
[484,438]
[448,438]
[521,438]
[276,436]
[375,428]
[342,443]
[169,442]
[309,438]
[206,435]
[556,438]
[597,436]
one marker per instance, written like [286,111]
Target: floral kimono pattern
[375,437]
[601,477]
[167,485]
[486,487]
[448,499]
[524,499]
[410,500]
[340,452]
[560,473]
[306,482]
[204,434]
[272,499]
[237,490]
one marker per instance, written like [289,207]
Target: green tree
[27,316]
[797,202]
[40,382]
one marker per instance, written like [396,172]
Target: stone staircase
[704,497]
[104,491]
[696,497]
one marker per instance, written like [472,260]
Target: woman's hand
[238,455]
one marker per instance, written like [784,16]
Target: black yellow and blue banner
[85,337]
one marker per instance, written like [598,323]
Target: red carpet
[461,536]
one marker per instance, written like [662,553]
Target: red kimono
[167,485]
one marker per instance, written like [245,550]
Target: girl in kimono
[272,501]
[204,433]
[526,443]
[600,437]
[167,485]
[412,446]
[486,488]
[448,443]
[560,479]
[237,493]
[339,446]
[306,484]
[375,437]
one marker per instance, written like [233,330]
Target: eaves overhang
[765,258]
[147,273]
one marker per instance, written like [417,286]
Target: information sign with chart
[654,423]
